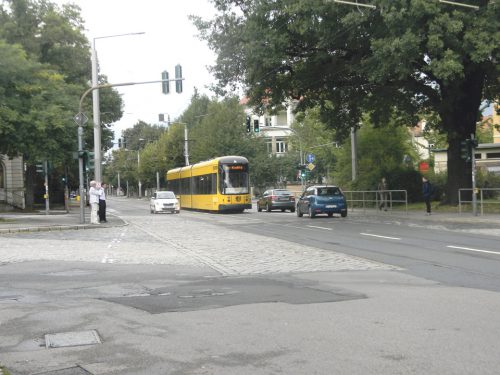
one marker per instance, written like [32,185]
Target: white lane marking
[477,250]
[378,236]
[314,226]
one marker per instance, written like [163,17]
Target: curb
[57,228]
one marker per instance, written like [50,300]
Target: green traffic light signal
[256,127]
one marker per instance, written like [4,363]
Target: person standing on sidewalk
[102,204]
[382,190]
[94,202]
[427,193]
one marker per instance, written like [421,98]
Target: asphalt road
[253,293]
[455,255]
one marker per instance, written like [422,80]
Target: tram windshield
[234,179]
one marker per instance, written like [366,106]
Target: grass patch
[4,371]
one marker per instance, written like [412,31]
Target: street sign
[310,157]
[310,166]
[80,118]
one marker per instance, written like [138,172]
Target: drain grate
[65,339]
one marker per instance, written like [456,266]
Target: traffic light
[256,126]
[304,172]
[91,160]
[248,124]
[178,77]
[165,85]
[40,168]
[466,150]
[119,143]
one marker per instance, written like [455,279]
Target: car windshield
[282,192]
[165,195]
[329,191]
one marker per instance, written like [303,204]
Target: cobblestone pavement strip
[229,252]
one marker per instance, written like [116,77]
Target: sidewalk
[56,220]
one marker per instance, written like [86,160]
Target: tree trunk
[459,114]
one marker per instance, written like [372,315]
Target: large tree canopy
[403,59]
[44,69]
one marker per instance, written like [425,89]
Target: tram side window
[204,184]
[184,186]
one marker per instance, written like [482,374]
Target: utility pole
[46,169]
[138,172]
[354,160]
[119,186]
[186,142]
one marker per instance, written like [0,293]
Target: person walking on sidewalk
[102,203]
[382,190]
[427,193]
[94,202]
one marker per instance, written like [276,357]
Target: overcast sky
[169,39]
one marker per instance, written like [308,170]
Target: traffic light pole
[80,170]
[80,130]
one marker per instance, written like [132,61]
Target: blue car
[322,199]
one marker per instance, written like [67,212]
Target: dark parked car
[322,200]
[276,199]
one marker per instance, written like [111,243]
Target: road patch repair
[231,291]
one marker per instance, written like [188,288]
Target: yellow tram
[219,184]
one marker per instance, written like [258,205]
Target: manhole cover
[64,339]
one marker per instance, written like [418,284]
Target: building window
[269,145]
[493,155]
[268,121]
[281,146]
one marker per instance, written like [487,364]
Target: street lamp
[95,105]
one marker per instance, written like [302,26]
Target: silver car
[164,201]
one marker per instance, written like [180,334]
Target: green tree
[405,58]
[381,153]
[138,136]
[312,136]
[221,132]
[44,69]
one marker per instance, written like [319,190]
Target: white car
[164,201]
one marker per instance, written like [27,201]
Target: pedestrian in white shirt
[102,203]
[94,202]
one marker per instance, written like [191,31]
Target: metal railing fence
[481,198]
[373,198]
